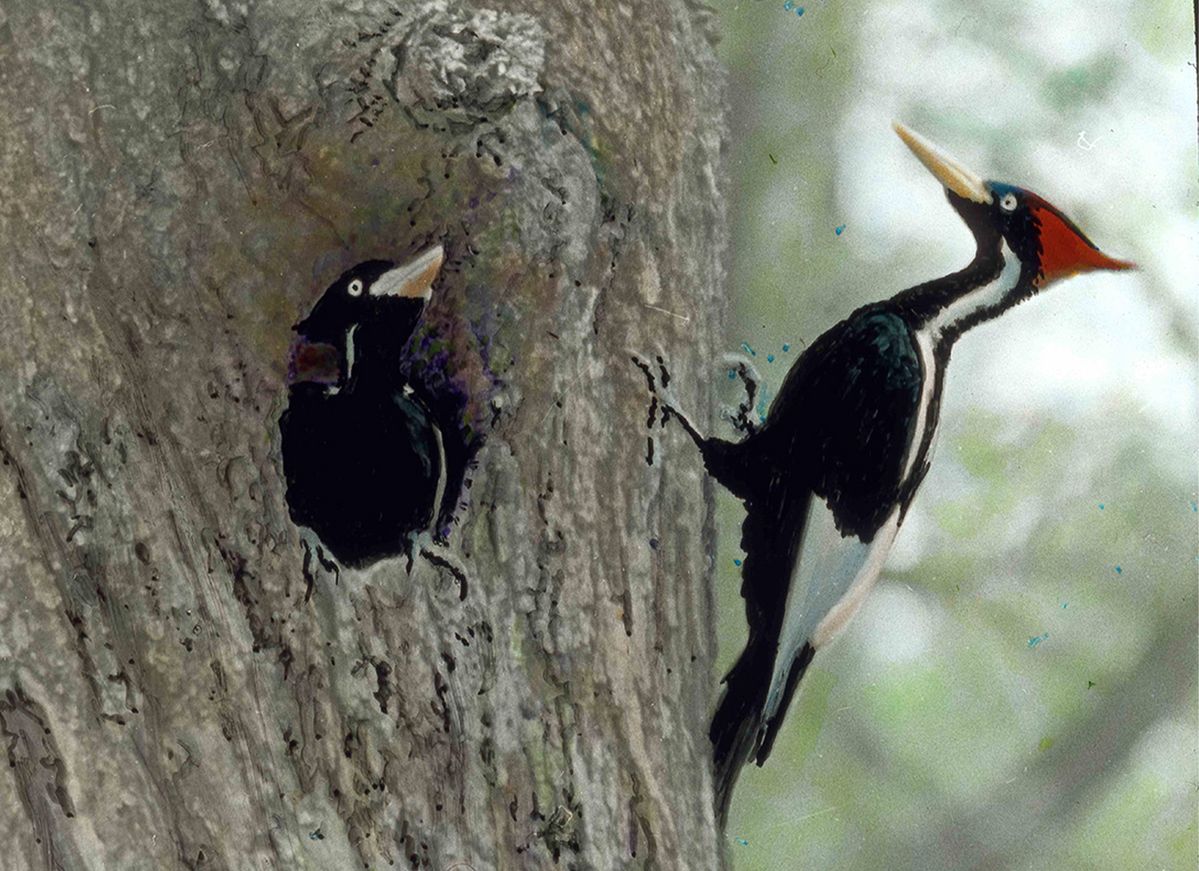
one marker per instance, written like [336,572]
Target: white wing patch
[831,579]
[839,615]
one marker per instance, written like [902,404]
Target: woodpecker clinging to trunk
[828,477]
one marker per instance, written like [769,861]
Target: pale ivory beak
[414,279]
[948,171]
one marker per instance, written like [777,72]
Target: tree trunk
[181,181]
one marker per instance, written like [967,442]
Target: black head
[377,298]
[370,291]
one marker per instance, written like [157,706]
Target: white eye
[1008,203]
[355,287]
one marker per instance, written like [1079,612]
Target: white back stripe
[439,493]
[928,336]
[928,361]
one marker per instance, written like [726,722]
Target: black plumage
[362,453]
[838,430]
[829,476]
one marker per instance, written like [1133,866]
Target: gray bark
[180,181]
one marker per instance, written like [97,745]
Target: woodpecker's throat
[985,301]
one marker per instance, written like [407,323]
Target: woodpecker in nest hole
[362,453]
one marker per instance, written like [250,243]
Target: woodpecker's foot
[443,558]
[314,560]
[663,405]
[741,366]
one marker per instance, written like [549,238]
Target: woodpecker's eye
[1008,203]
[355,287]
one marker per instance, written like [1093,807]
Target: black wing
[845,414]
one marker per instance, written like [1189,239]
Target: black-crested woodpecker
[362,454]
[827,478]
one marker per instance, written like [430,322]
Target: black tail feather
[740,731]
[770,537]
[736,729]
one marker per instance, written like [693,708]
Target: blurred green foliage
[1020,691]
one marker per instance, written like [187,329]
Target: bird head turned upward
[373,306]
[1030,243]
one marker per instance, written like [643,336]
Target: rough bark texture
[180,181]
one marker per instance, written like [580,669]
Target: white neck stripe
[350,351]
[984,297]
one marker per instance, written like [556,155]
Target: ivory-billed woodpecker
[362,454]
[828,477]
